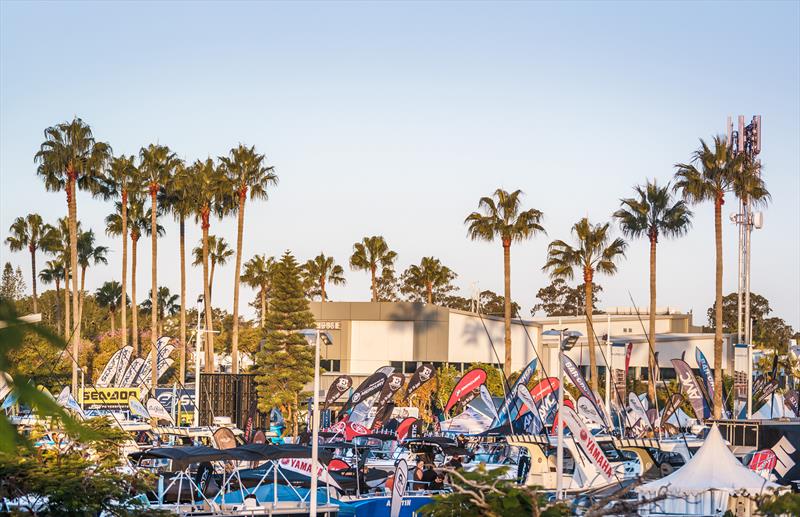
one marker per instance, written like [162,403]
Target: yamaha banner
[423,374]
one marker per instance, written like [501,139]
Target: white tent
[680,419]
[471,421]
[706,483]
[775,408]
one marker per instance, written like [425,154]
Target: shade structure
[706,483]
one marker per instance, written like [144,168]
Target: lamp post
[566,340]
[198,340]
[325,338]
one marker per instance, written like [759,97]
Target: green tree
[320,272]
[772,333]
[12,286]
[594,252]
[653,213]
[218,253]
[286,361]
[31,233]
[500,217]
[247,173]
[430,281]
[368,255]
[759,309]
[69,158]
[387,285]
[54,273]
[720,171]
[258,275]
[109,296]
[493,304]
[167,303]
[559,299]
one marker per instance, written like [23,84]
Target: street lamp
[566,340]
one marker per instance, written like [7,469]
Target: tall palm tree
[71,157]
[54,272]
[88,254]
[653,213]
[247,173]
[210,194]
[123,179]
[178,201]
[370,253]
[503,218]
[321,271]
[258,275]
[167,306]
[32,233]
[138,224]
[60,249]
[218,254]
[595,252]
[157,165]
[109,296]
[710,175]
[430,274]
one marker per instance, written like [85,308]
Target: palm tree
[503,219]
[54,272]
[31,233]
[321,271]
[88,254]
[246,171]
[593,254]
[370,253]
[258,275]
[71,157]
[109,296]
[430,274]
[138,224]
[210,194]
[167,305]
[157,165]
[60,248]
[720,171]
[123,179]
[218,254]
[176,199]
[652,213]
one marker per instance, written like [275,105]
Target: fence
[231,395]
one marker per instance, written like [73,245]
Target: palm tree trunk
[588,276]
[154,290]
[374,286]
[263,306]
[33,278]
[182,231]
[322,288]
[113,323]
[58,304]
[124,299]
[134,308]
[82,292]
[507,305]
[207,296]
[211,280]
[429,289]
[66,304]
[718,305]
[73,260]
[652,323]
[236,281]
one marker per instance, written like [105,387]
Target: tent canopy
[713,467]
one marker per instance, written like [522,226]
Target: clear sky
[394,118]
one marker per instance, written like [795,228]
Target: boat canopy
[249,452]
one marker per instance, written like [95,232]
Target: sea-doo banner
[672,405]
[107,398]
[339,387]
[131,376]
[424,373]
[371,385]
[399,488]
[471,380]
[705,373]
[67,401]
[588,411]
[137,409]
[113,366]
[486,397]
[163,364]
[586,442]
[157,410]
[691,389]
[792,400]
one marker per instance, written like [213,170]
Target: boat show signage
[303,466]
[706,372]
[546,395]
[339,387]
[792,400]
[399,487]
[508,409]
[117,362]
[137,409]
[424,373]
[692,390]
[471,381]
[371,385]
[392,385]
[108,398]
[588,412]
[157,410]
[486,397]
[586,442]
[670,408]
[131,375]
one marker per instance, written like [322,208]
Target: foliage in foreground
[785,504]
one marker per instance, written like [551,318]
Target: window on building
[667,374]
[437,364]
[330,365]
[410,366]
[397,365]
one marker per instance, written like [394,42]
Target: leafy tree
[653,213]
[720,171]
[368,255]
[594,252]
[69,158]
[247,173]
[759,309]
[109,296]
[387,285]
[218,254]
[286,361]
[167,304]
[257,274]
[320,272]
[559,299]
[53,273]
[772,333]
[501,218]
[88,254]
[454,301]
[31,233]
[12,286]
[429,281]
[494,304]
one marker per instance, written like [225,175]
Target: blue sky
[394,118]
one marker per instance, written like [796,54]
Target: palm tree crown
[370,253]
[218,251]
[322,271]
[245,170]
[258,275]
[652,213]
[30,232]
[502,218]
[430,274]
